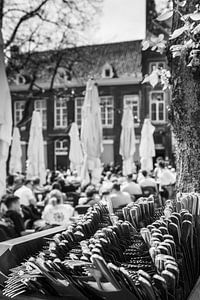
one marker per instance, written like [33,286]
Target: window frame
[61,115]
[40,110]
[63,150]
[157,121]
[15,110]
[125,98]
[75,107]
[157,65]
[106,125]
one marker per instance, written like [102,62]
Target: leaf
[161,37]
[153,78]
[176,53]
[181,3]
[196,29]
[177,32]
[165,16]
[176,47]
[145,45]
[185,17]
[146,79]
[195,16]
[154,48]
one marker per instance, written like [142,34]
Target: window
[61,147]
[18,111]
[107,111]
[156,65]
[60,110]
[157,106]
[41,107]
[107,71]
[78,109]
[133,101]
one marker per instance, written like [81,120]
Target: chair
[148,190]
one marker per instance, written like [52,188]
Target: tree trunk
[185,116]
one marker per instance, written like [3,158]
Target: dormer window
[107,71]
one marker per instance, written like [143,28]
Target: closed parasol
[147,146]
[35,152]
[5,119]
[15,163]
[91,134]
[75,152]
[127,141]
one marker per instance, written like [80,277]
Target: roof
[87,61]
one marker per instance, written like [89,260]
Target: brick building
[118,69]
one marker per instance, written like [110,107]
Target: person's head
[161,164]
[144,173]
[28,183]
[36,181]
[90,191]
[12,203]
[159,158]
[53,201]
[19,180]
[129,177]
[116,188]
[56,194]
[56,186]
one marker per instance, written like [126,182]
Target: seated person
[131,187]
[14,212]
[147,181]
[28,201]
[57,213]
[118,198]
[25,194]
[38,189]
[91,198]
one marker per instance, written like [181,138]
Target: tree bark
[185,115]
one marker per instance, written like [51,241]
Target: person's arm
[31,198]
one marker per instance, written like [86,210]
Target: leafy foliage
[189,33]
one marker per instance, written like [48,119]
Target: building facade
[118,70]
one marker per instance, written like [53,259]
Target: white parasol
[147,147]
[5,120]
[35,152]
[75,152]
[91,134]
[127,141]
[15,163]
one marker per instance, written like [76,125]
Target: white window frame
[132,97]
[76,106]
[20,110]
[156,63]
[62,125]
[61,150]
[41,109]
[106,124]
[157,106]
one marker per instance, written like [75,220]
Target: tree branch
[24,18]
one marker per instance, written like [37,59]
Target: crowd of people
[28,207]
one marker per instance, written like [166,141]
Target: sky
[121,20]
